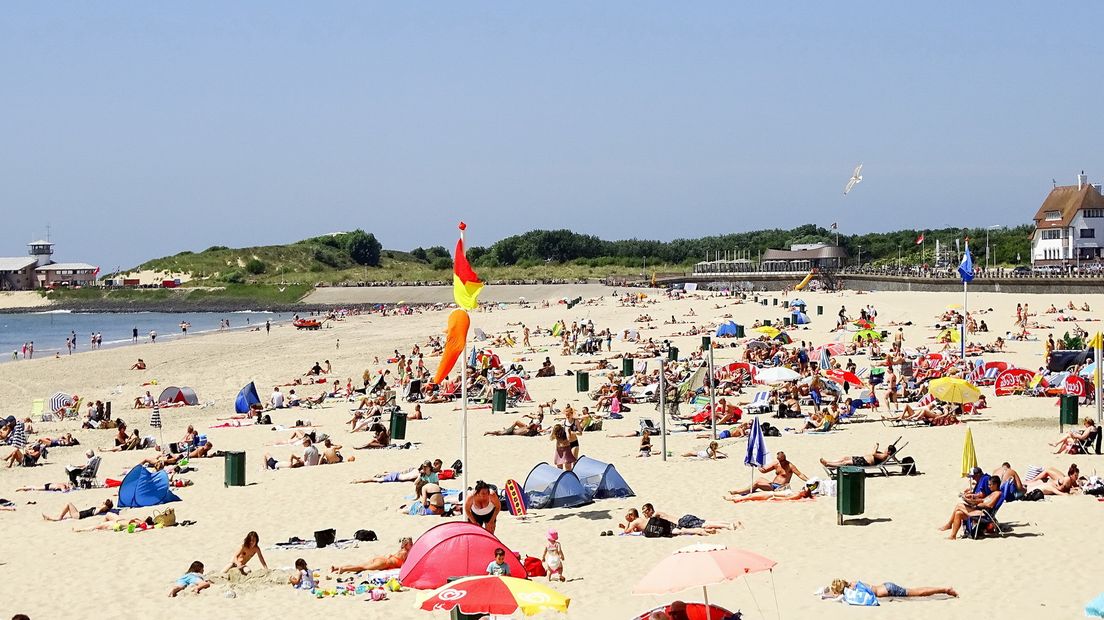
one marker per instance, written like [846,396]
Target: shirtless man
[330,454]
[783,471]
[877,457]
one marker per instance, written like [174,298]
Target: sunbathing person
[380,562]
[740,430]
[519,427]
[877,457]
[924,414]
[26,457]
[55,487]
[1074,437]
[774,496]
[689,524]
[71,512]
[409,475]
[971,508]
[139,365]
[1006,473]
[1052,482]
[887,589]
[381,438]
[431,501]
[783,471]
[331,453]
[710,453]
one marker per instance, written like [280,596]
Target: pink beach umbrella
[700,566]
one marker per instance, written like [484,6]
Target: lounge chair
[977,526]
[1091,443]
[894,465]
[760,403]
[85,477]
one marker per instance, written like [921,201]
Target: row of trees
[1007,246]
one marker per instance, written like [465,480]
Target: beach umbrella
[756,455]
[866,334]
[824,362]
[969,457]
[954,306]
[954,390]
[778,374]
[1088,370]
[768,330]
[798,302]
[700,566]
[60,401]
[155,421]
[758,344]
[784,338]
[490,594]
[954,335]
[863,324]
[833,348]
[842,376]
[19,435]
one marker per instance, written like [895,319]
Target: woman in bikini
[70,512]
[482,507]
[566,446]
[380,562]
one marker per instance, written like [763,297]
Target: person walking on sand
[250,547]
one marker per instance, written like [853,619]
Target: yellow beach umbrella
[954,390]
[954,306]
[486,594]
[953,334]
[768,330]
[969,457]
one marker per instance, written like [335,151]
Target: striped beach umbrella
[155,417]
[60,400]
[19,436]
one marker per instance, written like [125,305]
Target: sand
[22,299]
[53,572]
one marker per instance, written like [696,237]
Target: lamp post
[860,256]
[898,258]
[993,227]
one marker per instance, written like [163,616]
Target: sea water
[49,330]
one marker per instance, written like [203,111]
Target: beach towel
[1095,608]
[861,595]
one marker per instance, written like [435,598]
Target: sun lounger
[760,403]
[895,465]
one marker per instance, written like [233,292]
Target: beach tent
[174,394]
[601,480]
[480,335]
[455,549]
[798,303]
[141,487]
[800,318]
[726,330]
[549,487]
[247,397]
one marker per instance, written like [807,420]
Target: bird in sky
[856,178]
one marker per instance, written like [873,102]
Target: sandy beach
[108,574]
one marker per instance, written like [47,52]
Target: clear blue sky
[146,128]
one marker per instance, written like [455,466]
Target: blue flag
[966,267]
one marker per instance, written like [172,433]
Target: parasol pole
[464,419]
[662,408]
[965,314]
[1098,343]
[708,609]
[713,391]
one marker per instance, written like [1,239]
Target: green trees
[363,248]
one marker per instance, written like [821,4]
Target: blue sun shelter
[141,487]
[726,330]
[601,480]
[247,397]
[549,487]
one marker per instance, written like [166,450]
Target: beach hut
[455,549]
[246,397]
[175,394]
[549,487]
[141,487]
[601,480]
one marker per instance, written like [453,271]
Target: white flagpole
[965,313]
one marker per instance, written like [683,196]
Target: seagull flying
[856,178]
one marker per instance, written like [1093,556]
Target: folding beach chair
[38,408]
[895,465]
[1090,444]
[760,403]
[975,527]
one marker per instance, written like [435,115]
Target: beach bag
[323,538]
[1034,495]
[658,528]
[165,518]
[365,536]
[533,567]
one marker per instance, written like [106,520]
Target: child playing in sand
[249,548]
[645,443]
[553,556]
[194,577]
[303,580]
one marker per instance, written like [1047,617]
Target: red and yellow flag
[465,284]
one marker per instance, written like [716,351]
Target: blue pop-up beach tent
[601,480]
[247,397]
[726,330]
[549,487]
[141,487]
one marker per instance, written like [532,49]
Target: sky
[141,129]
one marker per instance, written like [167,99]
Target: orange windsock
[455,339]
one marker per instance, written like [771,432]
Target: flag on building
[835,226]
[465,284]
[920,239]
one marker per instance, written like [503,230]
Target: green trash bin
[766,322]
[582,381]
[499,400]
[774,301]
[739,331]
[764,302]
[820,310]
[235,469]
[672,354]
[755,299]
[706,343]
[627,367]
[850,492]
[398,425]
[1068,409]
[786,321]
[785,304]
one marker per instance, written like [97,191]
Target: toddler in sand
[553,556]
[304,579]
[194,577]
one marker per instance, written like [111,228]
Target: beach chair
[760,403]
[895,465]
[38,408]
[1089,444]
[975,527]
[86,476]
[413,391]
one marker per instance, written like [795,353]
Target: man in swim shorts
[783,471]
